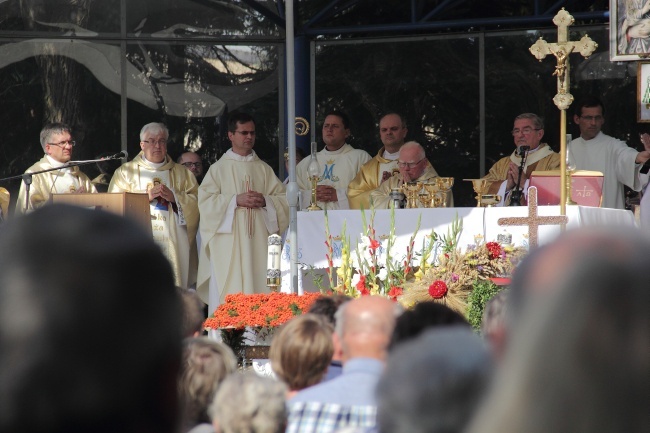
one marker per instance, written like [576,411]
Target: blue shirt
[354,387]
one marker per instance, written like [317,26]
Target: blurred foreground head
[578,359]
[90,325]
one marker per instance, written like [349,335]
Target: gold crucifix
[563,99]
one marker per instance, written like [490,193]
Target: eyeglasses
[401,164]
[526,130]
[193,164]
[592,118]
[63,144]
[247,133]
[161,142]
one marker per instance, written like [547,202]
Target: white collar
[154,164]
[237,157]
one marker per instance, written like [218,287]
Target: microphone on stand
[121,155]
[523,150]
[515,194]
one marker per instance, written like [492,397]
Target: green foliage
[482,292]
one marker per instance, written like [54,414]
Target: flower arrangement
[259,310]
[417,276]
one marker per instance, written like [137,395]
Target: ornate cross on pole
[533,221]
[563,99]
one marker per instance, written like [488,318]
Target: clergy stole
[64,182]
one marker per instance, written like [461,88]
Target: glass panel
[192,88]
[433,83]
[84,18]
[199,18]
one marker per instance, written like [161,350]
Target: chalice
[411,190]
[445,184]
[432,190]
[480,187]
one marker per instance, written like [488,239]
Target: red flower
[374,244]
[494,249]
[394,292]
[361,286]
[438,289]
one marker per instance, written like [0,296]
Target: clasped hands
[161,191]
[513,174]
[326,193]
[251,199]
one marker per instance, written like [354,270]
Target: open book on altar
[586,187]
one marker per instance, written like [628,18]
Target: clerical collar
[339,150]
[390,156]
[56,164]
[154,164]
[237,157]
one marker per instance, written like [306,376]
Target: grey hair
[537,121]
[153,128]
[248,403]
[414,145]
[52,128]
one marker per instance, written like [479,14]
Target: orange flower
[259,310]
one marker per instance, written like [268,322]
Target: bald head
[364,326]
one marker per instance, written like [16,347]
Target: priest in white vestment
[242,202]
[527,131]
[57,143]
[392,131]
[413,167]
[619,163]
[172,191]
[339,163]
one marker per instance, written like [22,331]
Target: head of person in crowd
[589,116]
[364,327]
[56,141]
[326,306]
[412,161]
[192,161]
[493,321]
[153,142]
[392,131]
[336,129]
[241,133]
[433,383]
[301,351]
[578,360]
[89,339]
[193,316]
[425,315]
[206,363]
[248,403]
[528,130]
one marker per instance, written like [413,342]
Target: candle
[273,261]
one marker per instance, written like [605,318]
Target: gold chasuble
[233,254]
[174,226]
[371,175]
[63,181]
[543,159]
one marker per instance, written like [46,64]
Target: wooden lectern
[128,204]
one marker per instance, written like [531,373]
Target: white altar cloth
[476,221]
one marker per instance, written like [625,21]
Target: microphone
[121,155]
[523,150]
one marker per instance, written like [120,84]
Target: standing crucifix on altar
[563,99]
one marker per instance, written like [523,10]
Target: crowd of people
[95,336]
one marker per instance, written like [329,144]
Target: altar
[477,224]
